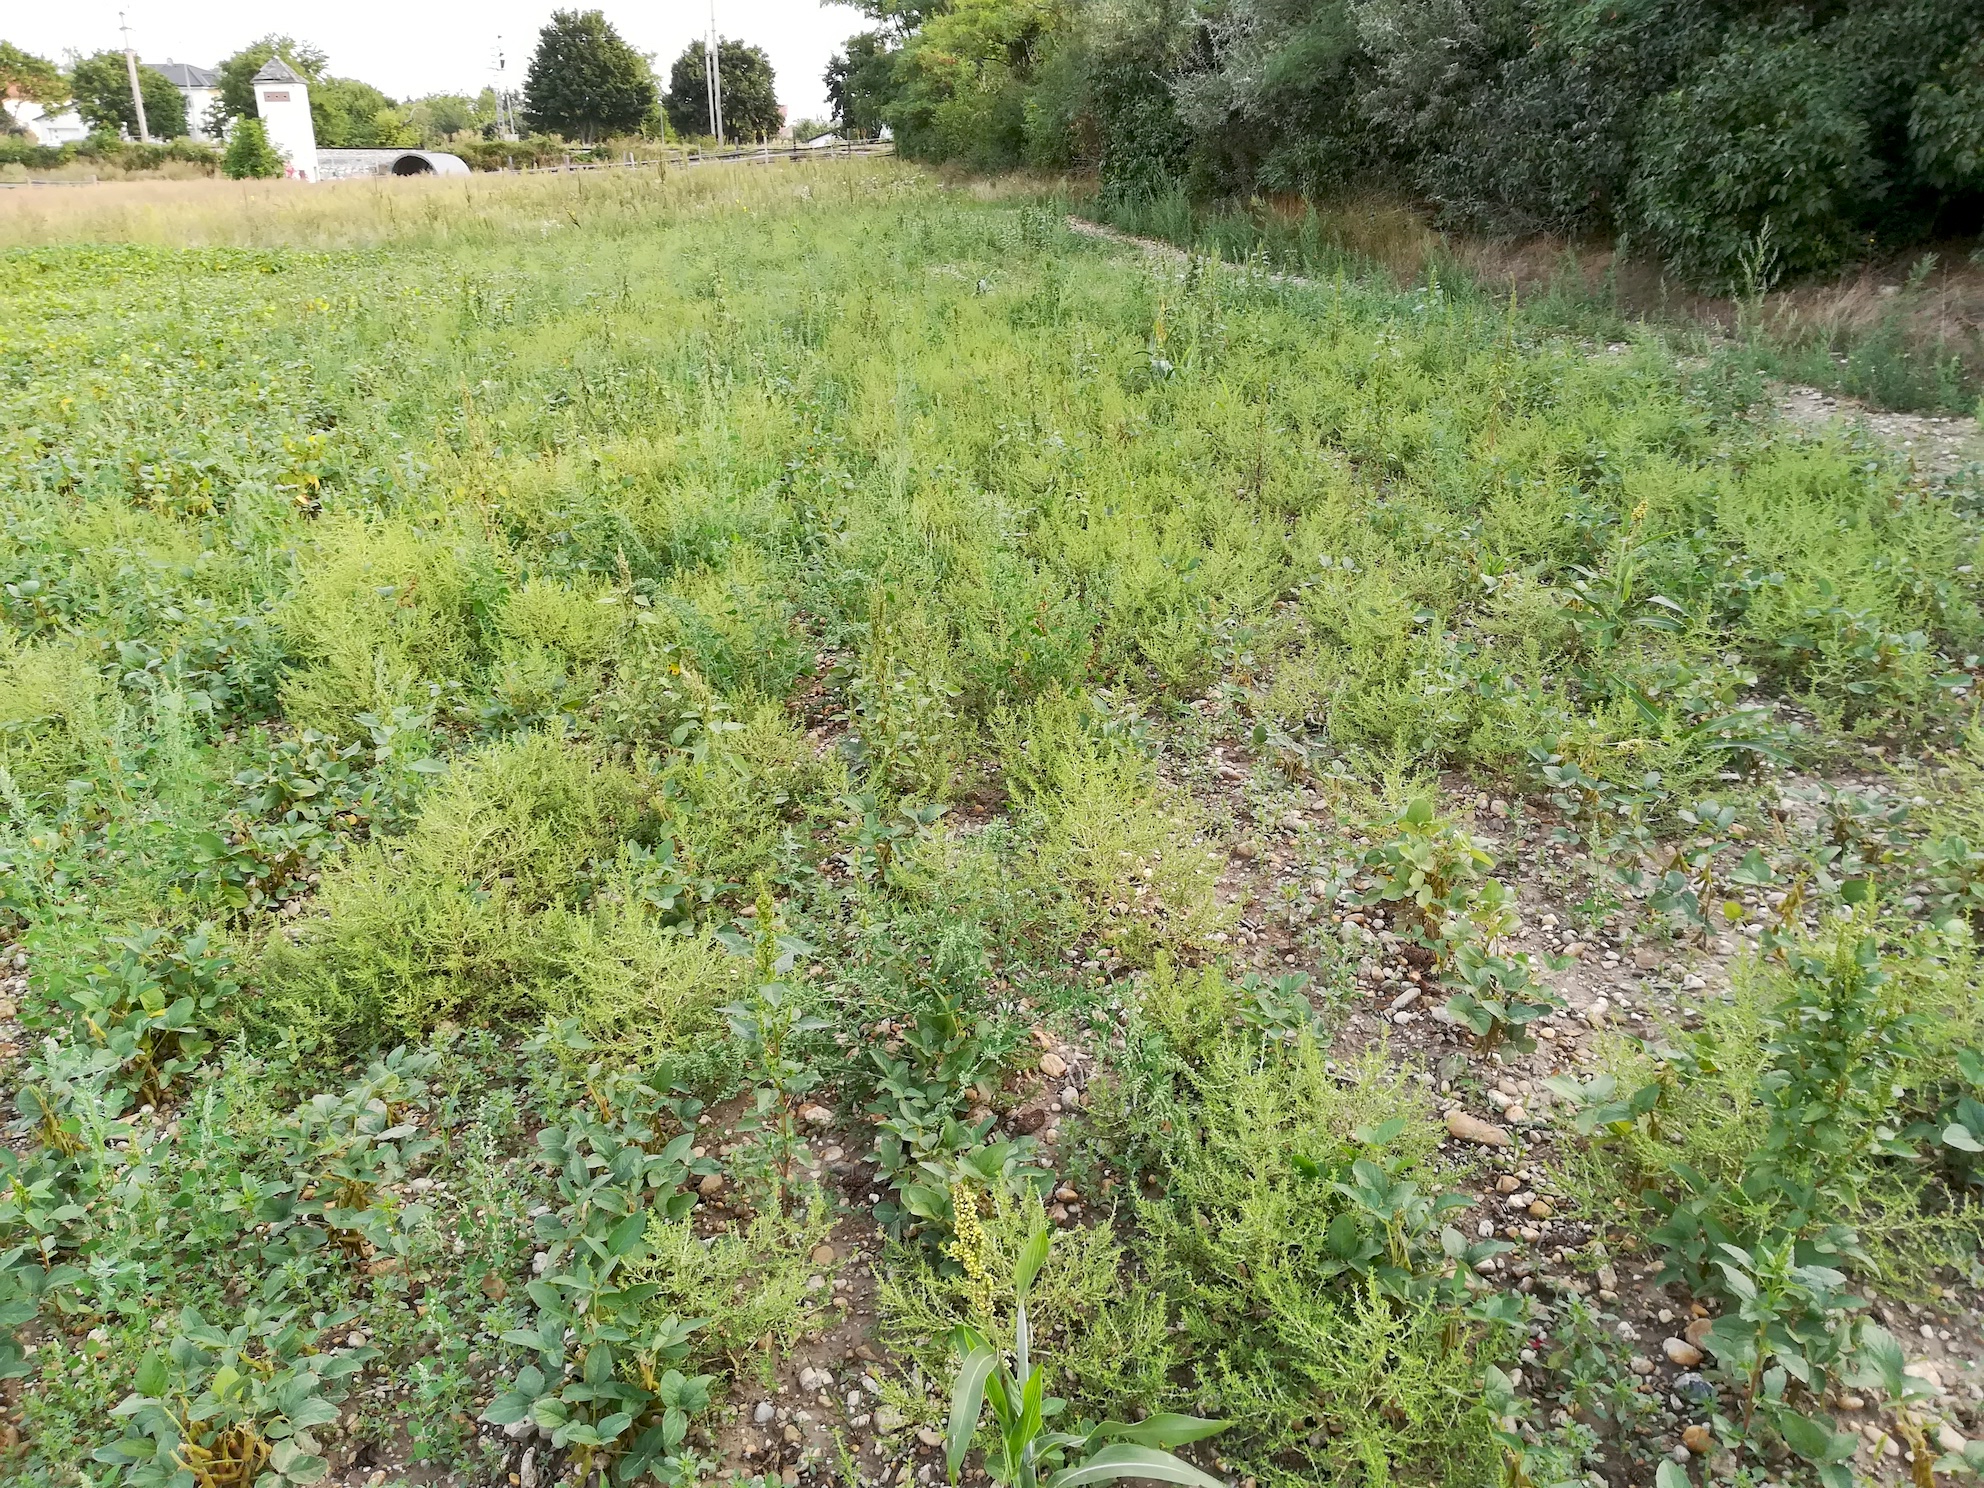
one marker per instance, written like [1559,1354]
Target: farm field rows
[617,794]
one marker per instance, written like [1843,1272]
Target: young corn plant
[1027,1454]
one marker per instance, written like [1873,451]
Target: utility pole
[131,71]
[709,82]
[716,78]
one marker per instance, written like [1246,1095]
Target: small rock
[1473,1129]
[1693,1388]
[1608,1278]
[823,1255]
[1053,1066]
[1698,1439]
[1950,1439]
[928,1437]
[1680,1351]
[765,1413]
[815,1115]
[711,1185]
[527,1469]
[888,1418]
[1508,1183]
[1697,1331]
[1852,1402]
[1640,1365]
[1540,1210]
[1649,957]
[1923,1370]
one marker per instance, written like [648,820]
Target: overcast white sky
[419,46]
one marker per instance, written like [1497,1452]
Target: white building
[64,128]
[199,86]
[282,98]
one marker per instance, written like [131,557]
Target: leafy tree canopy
[101,87]
[237,74]
[24,75]
[584,81]
[861,81]
[345,114]
[750,100]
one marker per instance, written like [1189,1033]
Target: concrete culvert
[413,165]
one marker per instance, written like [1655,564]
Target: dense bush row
[1731,140]
[20,149]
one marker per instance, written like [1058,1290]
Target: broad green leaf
[967,1397]
[626,1236]
[1133,1462]
[508,1408]
[1166,1429]
[1032,1257]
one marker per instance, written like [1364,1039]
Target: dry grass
[339,214]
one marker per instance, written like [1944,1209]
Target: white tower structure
[282,98]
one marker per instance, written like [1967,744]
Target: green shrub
[1318,1370]
[1104,1327]
[381,616]
[539,878]
[1763,153]
[57,716]
[748,1281]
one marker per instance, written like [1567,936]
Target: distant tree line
[584,84]
[1726,137]
[347,113]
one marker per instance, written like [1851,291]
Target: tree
[26,76]
[249,153]
[585,82]
[343,111]
[440,115]
[750,101]
[861,81]
[237,73]
[101,86]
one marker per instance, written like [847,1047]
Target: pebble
[1473,1129]
[1680,1351]
[815,1115]
[1698,1439]
[1640,1365]
[823,1255]
[928,1437]
[712,1184]
[765,1413]
[1540,1210]
[1053,1066]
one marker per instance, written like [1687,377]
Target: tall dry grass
[433,209]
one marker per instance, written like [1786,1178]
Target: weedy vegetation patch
[799,826]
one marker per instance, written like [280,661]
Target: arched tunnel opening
[412,165]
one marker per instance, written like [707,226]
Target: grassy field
[615,791]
